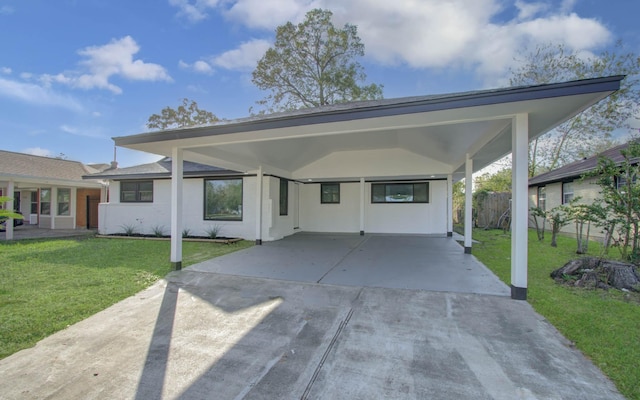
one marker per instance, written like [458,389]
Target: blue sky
[74,73]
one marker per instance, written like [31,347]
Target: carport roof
[443,127]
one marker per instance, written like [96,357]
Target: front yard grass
[604,325]
[47,285]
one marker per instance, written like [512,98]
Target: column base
[361,233]
[258,242]
[449,234]
[176,265]
[518,293]
[467,250]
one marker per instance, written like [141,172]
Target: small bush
[213,231]
[186,232]
[158,230]
[129,229]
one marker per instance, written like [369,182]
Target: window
[284,197]
[34,202]
[64,201]
[136,192]
[223,199]
[45,201]
[567,192]
[621,183]
[400,192]
[330,193]
[542,198]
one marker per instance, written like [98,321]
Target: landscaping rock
[594,272]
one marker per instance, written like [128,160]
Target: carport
[429,138]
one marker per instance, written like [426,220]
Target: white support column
[176,208]
[362,205]
[519,206]
[259,182]
[468,206]
[449,205]
[9,206]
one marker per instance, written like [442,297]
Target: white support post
[449,205]
[176,208]
[9,206]
[519,206]
[259,177]
[362,205]
[53,206]
[468,209]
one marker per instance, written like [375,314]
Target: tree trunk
[554,233]
[597,273]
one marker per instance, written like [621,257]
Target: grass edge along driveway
[48,285]
[604,325]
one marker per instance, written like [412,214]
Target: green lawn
[47,285]
[604,325]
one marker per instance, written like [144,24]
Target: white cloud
[476,35]
[199,66]
[6,70]
[103,62]
[195,11]
[38,151]
[36,94]
[269,14]
[92,133]
[6,10]
[96,114]
[245,57]
[529,10]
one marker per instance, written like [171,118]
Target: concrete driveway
[201,335]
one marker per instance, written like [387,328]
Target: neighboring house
[563,184]
[49,192]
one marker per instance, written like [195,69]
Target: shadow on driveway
[206,335]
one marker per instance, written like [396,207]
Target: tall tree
[499,181]
[313,64]
[590,131]
[186,114]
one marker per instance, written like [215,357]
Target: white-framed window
[64,201]
[45,201]
[542,198]
[567,192]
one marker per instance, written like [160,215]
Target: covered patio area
[421,262]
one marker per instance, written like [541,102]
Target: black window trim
[427,183]
[284,200]
[204,197]
[137,191]
[322,185]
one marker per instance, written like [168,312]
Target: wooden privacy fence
[488,211]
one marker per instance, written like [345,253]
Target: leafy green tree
[186,114]
[499,181]
[590,131]
[538,214]
[620,190]
[313,64]
[558,217]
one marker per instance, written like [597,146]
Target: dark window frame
[137,192]
[284,197]
[542,190]
[332,200]
[63,212]
[413,201]
[204,200]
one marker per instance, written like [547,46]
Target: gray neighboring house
[50,192]
[560,186]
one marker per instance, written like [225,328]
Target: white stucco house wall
[391,163]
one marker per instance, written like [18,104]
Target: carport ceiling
[443,128]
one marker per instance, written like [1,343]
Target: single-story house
[560,186]
[373,166]
[50,192]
